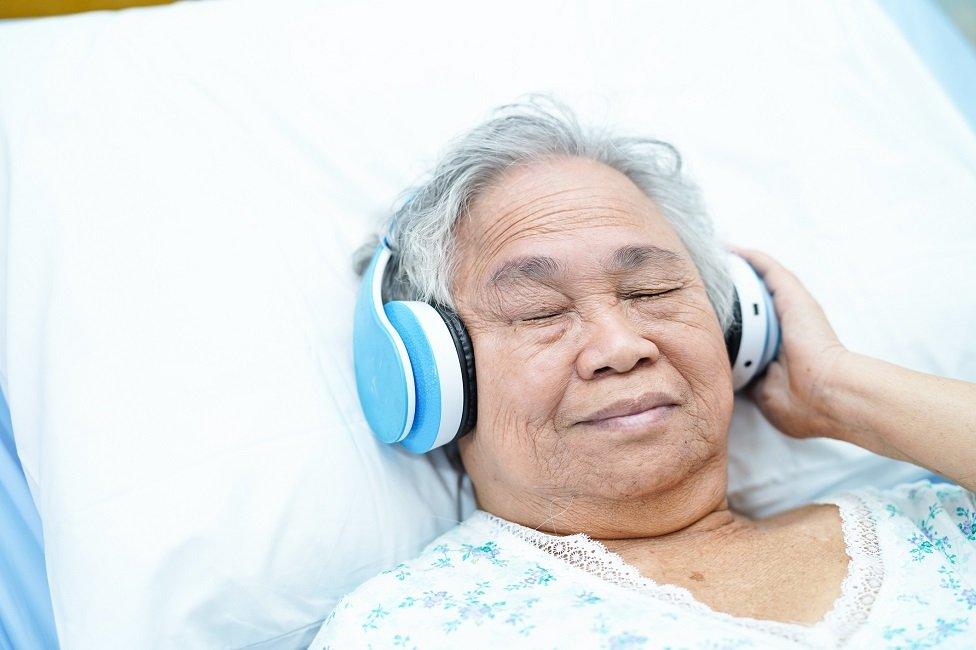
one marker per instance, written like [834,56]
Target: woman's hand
[816,387]
[791,393]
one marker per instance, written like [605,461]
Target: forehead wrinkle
[528,212]
[538,196]
[542,223]
[512,210]
[498,227]
[526,216]
[542,219]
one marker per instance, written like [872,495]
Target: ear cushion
[733,335]
[427,413]
[465,352]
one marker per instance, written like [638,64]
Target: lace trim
[865,573]
[858,589]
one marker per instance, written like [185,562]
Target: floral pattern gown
[911,583]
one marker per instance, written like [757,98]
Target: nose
[614,344]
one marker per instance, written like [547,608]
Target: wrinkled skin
[554,345]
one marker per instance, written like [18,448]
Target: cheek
[700,357]
[523,383]
[520,390]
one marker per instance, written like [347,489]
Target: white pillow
[184,187]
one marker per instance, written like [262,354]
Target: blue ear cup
[384,375]
[434,350]
[753,339]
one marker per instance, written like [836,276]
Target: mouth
[638,413]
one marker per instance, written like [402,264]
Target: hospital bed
[27,617]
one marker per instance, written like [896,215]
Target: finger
[775,276]
[760,261]
[753,392]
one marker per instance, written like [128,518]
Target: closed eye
[639,296]
[544,316]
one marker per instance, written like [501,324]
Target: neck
[718,525]
[693,509]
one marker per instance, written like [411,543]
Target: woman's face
[604,385]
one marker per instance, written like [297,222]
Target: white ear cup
[759,329]
[772,330]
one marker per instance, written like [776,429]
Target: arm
[818,388]
[904,414]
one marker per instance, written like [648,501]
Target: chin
[665,468]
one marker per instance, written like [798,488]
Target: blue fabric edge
[941,47]
[26,613]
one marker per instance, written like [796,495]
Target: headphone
[414,360]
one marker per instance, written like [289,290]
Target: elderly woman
[586,273]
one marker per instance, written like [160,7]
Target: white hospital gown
[488,582]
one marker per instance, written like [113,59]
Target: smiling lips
[639,413]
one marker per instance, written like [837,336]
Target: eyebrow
[631,258]
[540,268]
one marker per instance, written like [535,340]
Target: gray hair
[422,228]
